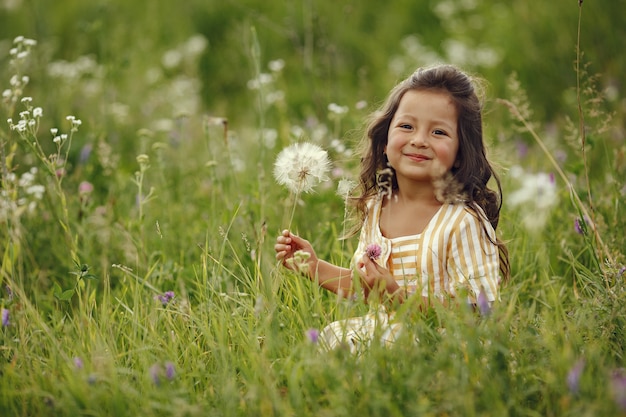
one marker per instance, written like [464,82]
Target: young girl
[427,216]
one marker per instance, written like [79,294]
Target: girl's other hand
[287,244]
[376,278]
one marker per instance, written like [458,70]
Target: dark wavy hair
[471,170]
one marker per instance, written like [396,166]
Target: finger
[298,240]
[281,255]
[279,247]
[372,264]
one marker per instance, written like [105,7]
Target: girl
[427,217]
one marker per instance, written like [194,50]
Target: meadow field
[139,208]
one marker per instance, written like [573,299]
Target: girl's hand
[287,244]
[378,279]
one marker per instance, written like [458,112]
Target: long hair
[471,169]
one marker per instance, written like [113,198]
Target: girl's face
[422,140]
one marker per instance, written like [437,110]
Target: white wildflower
[336,109]
[269,138]
[300,167]
[345,187]
[537,195]
[276,65]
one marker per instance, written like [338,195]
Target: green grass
[199,217]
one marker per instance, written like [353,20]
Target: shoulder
[463,216]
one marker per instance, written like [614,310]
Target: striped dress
[454,252]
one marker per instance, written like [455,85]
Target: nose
[419,139]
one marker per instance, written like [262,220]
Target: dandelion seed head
[302,166]
[345,187]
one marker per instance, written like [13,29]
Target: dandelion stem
[296,197]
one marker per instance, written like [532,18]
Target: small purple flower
[170,371]
[373,251]
[522,149]
[166,297]
[579,227]
[621,271]
[618,387]
[85,152]
[78,362]
[573,376]
[5,317]
[155,374]
[483,304]
[313,335]
[85,187]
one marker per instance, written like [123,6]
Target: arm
[473,260]
[327,275]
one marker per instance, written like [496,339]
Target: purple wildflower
[170,371]
[373,251]
[85,187]
[166,297]
[5,317]
[579,227]
[621,271]
[155,374]
[78,362]
[618,387]
[85,152]
[573,376]
[313,335]
[522,149]
[483,304]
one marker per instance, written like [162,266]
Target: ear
[457,164]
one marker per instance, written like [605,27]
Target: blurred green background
[334,51]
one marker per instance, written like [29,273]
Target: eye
[405,126]
[440,132]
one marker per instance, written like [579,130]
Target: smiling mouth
[417,157]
